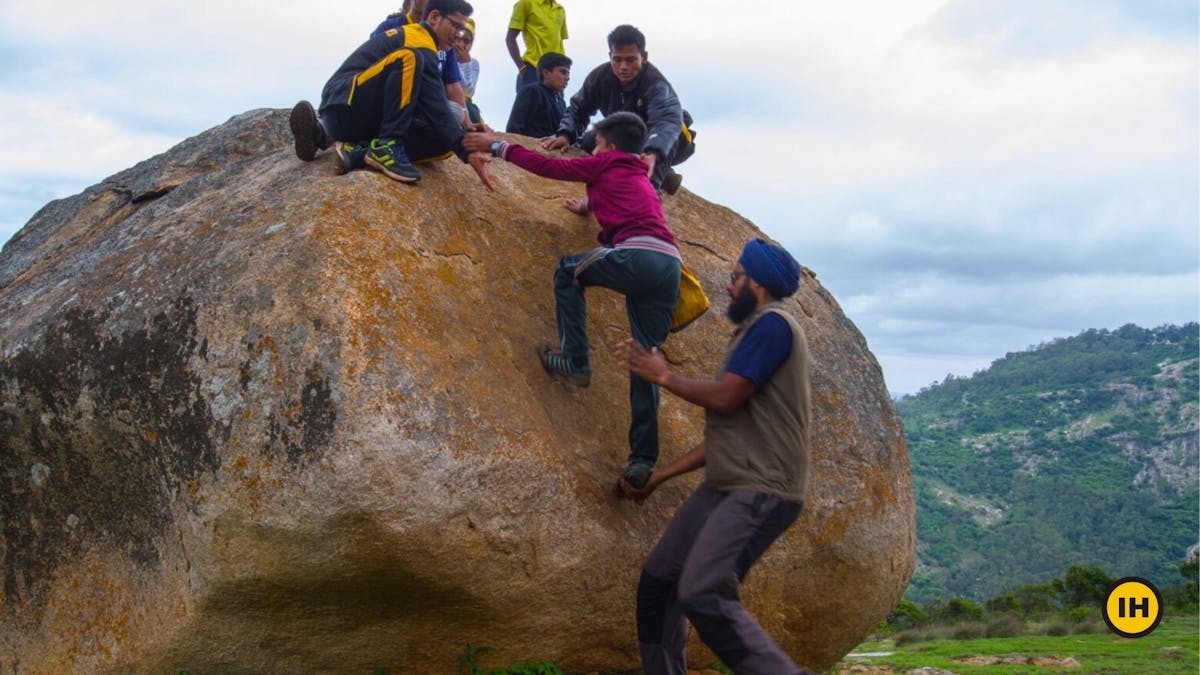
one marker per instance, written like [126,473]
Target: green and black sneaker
[389,157]
[350,156]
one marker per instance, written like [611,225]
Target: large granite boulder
[257,417]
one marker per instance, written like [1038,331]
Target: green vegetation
[1081,452]
[467,665]
[1080,648]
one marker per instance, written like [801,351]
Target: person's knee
[564,273]
[653,596]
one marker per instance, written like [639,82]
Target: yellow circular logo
[1133,607]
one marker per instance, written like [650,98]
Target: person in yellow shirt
[543,26]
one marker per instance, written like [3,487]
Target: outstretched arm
[724,395]
[578,169]
[687,462]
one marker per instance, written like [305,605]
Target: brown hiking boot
[307,132]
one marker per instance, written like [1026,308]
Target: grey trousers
[693,574]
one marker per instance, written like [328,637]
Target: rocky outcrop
[257,417]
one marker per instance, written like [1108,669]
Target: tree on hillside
[1085,586]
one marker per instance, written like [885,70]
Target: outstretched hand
[477,141]
[648,365]
[650,159]
[479,162]
[577,206]
[554,142]
[635,494]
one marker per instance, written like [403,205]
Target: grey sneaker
[556,364]
[637,475]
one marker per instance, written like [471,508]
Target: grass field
[1174,647]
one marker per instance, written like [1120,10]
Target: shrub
[1005,625]
[955,611]
[906,615]
[1078,614]
[1055,629]
[968,631]
[1085,586]
[1089,625]
[908,637]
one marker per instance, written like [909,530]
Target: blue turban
[771,267]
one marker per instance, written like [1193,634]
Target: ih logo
[1133,607]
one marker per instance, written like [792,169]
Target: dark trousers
[385,106]
[527,75]
[650,283]
[693,574]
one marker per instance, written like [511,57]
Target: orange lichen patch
[150,436]
[110,610]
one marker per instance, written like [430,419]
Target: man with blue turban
[755,453]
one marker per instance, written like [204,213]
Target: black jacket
[536,111]
[649,96]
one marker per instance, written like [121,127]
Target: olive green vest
[764,445]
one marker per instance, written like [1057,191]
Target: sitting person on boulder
[469,67]
[638,258]
[538,108]
[386,104]
[448,61]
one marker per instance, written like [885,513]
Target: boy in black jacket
[538,109]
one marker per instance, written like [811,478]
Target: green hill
[1082,451]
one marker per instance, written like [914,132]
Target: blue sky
[968,177]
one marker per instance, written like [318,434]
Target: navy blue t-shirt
[767,344]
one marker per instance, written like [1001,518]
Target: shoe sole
[580,380]
[303,121]
[389,173]
[672,182]
[343,164]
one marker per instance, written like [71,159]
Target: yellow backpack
[692,303]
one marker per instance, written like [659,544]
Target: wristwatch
[494,148]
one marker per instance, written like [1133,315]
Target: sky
[967,177]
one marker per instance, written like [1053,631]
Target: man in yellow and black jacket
[385,104]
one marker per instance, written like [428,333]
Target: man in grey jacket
[756,454]
[628,82]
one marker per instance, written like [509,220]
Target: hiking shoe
[350,156]
[637,475]
[671,182]
[558,365]
[389,157]
[307,132]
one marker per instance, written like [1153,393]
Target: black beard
[741,305]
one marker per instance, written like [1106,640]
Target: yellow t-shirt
[543,23]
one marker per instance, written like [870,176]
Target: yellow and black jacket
[412,48]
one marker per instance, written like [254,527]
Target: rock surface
[257,417]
